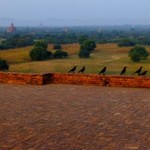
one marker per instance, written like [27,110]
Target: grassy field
[109,55]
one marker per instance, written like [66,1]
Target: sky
[76,9]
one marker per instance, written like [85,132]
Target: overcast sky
[75,9]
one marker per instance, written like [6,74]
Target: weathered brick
[58,78]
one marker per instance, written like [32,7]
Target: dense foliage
[57,46]
[40,52]
[3,65]
[123,35]
[41,43]
[60,54]
[126,42]
[16,41]
[86,47]
[84,54]
[138,53]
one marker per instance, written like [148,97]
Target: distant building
[66,30]
[11,28]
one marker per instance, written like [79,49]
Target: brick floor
[72,117]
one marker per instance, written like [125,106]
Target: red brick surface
[114,81]
[22,78]
[85,79]
[73,117]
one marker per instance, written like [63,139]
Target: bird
[143,73]
[138,71]
[123,70]
[73,69]
[103,71]
[82,69]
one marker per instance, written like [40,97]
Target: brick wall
[109,80]
[58,78]
[21,78]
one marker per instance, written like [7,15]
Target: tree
[17,41]
[84,54]
[3,65]
[57,46]
[138,53]
[126,42]
[39,52]
[88,45]
[82,39]
[60,54]
[41,43]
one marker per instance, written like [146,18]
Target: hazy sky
[74,9]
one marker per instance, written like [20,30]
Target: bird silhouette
[73,69]
[138,71]
[123,70]
[143,73]
[82,69]
[103,71]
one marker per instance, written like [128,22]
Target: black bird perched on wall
[82,69]
[138,71]
[103,71]
[73,69]
[143,73]
[123,70]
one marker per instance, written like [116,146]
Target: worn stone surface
[73,117]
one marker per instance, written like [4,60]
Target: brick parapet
[21,78]
[86,79]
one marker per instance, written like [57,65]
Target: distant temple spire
[11,28]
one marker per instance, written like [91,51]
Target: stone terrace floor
[73,117]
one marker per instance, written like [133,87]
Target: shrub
[41,43]
[88,45]
[3,65]
[84,54]
[138,53]
[39,53]
[60,54]
[82,39]
[126,42]
[57,46]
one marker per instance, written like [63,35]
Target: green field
[109,55]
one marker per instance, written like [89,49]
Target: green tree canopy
[88,45]
[82,39]
[40,52]
[41,43]
[60,54]
[57,46]
[84,54]
[138,53]
[127,42]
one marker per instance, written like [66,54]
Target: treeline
[17,41]
[123,35]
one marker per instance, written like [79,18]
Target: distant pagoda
[11,28]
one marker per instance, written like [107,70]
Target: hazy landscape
[74,74]
[109,55]
[16,46]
